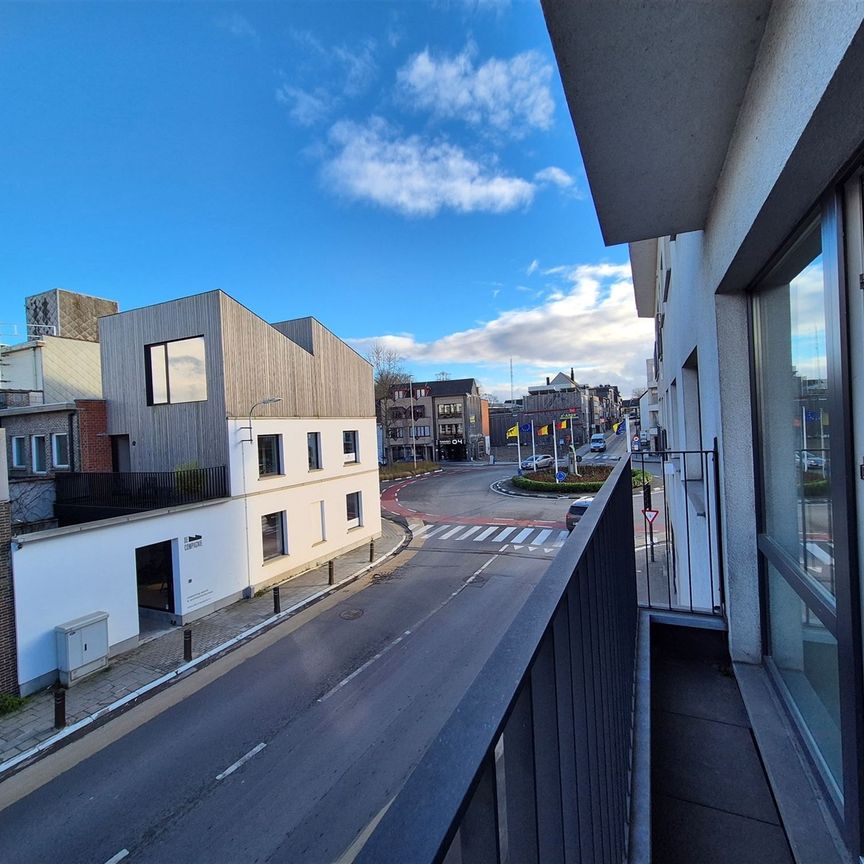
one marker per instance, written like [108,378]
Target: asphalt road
[330,712]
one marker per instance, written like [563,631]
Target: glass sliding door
[807,515]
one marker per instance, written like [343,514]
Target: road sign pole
[555,449]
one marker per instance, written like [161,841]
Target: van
[598,443]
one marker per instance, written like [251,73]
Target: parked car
[598,443]
[810,461]
[576,511]
[532,463]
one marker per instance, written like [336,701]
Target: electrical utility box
[82,647]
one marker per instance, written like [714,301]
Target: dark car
[576,511]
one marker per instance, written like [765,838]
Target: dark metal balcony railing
[533,766]
[140,490]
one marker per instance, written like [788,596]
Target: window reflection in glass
[793,388]
[273,535]
[158,375]
[186,371]
[805,654]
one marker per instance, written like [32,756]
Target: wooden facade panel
[165,436]
[261,360]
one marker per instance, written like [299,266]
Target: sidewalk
[161,652]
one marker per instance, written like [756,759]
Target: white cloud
[590,323]
[508,95]
[556,176]
[349,72]
[237,25]
[415,176]
[305,108]
[533,267]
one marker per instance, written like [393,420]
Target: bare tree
[388,372]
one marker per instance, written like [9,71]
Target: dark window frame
[148,371]
[282,543]
[319,456]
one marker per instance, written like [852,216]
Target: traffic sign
[578,458]
[650,515]
[560,476]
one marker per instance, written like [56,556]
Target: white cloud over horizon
[510,96]
[416,176]
[588,322]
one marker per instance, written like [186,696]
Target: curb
[103,715]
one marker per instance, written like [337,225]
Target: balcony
[565,750]
[89,496]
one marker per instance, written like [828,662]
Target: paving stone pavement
[162,652]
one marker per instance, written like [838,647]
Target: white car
[532,463]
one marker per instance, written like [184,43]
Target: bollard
[331,575]
[371,551]
[277,603]
[59,707]
[187,644]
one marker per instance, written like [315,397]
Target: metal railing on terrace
[533,766]
[134,491]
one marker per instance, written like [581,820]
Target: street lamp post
[267,400]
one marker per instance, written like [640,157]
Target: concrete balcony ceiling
[654,90]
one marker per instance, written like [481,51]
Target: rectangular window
[349,446]
[420,432]
[313,444]
[450,409]
[353,511]
[60,449]
[176,372]
[19,452]
[273,535]
[269,458]
[37,449]
[794,383]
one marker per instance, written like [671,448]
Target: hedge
[540,486]
[405,469]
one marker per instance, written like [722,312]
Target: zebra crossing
[535,537]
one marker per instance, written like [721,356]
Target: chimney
[572,375]
[547,380]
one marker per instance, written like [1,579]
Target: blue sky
[401,171]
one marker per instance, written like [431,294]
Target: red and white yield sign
[650,515]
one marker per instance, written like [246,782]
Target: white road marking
[562,536]
[540,539]
[241,761]
[505,533]
[522,535]
[424,529]
[484,534]
[118,857]
[437,529]
[468,533]
[398,639]
[451,532]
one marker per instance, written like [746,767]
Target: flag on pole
[513,432]
[525,427]
[543,430]
[561,424]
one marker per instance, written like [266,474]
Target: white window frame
[353,456]
[22,461]
[35,449]
[54,460]
[282,534]
[358,520]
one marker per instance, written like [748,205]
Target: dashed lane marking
[241,761]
